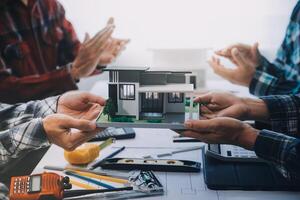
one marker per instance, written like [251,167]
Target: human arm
[271,79]
[281,111]
[29,126]
[277,148]
[256,72]
[14,89]
[87,56]
[70,45]
[19,89]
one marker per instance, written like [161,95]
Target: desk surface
[177,185]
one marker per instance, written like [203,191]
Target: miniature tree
[109,109]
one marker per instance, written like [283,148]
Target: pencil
[102,173]
[89,180]
[105,178]
[82,185]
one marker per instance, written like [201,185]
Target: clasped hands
[246,59]
[101,49]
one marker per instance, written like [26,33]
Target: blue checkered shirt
[283,75]
[282,145]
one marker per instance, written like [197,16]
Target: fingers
[79,137]
[110,21]
[255,51]
[86,37]
[205,99]
[196,135]
[207,113]
[101,44]
[200,125]
[119,45]
[238,57]
[226,52]
[80,124]
[91,98]
[221,70]
[102,36]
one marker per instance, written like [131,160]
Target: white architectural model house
[144,95]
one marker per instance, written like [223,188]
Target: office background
[182,24]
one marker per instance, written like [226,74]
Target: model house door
[152,102]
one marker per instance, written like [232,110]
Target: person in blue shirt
[261,76]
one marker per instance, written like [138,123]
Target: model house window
[151,95]
[127,92]
[175,97]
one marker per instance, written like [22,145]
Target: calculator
[233,153]
[117,133]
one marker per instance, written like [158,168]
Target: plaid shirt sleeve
[284,111]
[270,79]
[282,149]
[3,192]
[21,127]
[282,76]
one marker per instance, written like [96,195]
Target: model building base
[174,121]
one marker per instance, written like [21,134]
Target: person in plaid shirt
[280,145]
[66,120]
[40,54]
[256,72]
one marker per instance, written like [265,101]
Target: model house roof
[167,88]
[143,69]
[168,72]
[124,68]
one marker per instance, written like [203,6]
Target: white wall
[183,23]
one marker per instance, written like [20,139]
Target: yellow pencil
[106,178]
[82,185]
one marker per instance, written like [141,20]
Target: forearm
[14,89]
[256,109]
[14,115]
[20,139]
[281,150]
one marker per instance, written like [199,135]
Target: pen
[70,173]
[97,164]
